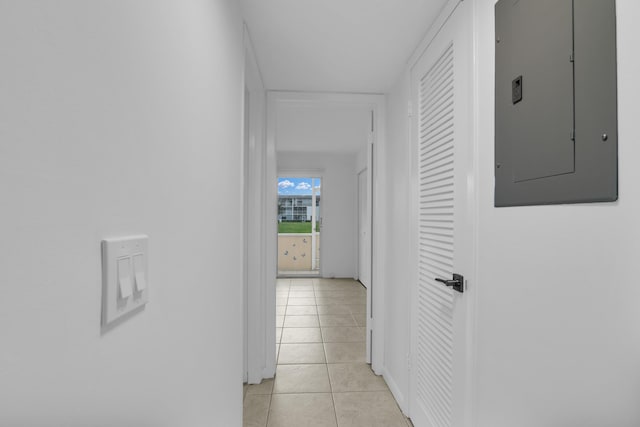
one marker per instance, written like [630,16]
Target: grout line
[277,358]
[322,339]
[269,408]
[324,347]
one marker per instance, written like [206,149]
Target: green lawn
[295,227]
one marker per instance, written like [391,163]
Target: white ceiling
[336,45]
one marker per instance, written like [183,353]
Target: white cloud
[285,184]
[303,186]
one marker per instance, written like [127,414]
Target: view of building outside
[298,210]
[294,208]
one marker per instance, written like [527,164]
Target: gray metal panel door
[565,53]
[535,41]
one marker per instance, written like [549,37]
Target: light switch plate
[125,284]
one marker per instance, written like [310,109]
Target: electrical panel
[556,102]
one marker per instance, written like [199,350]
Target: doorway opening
[299,225]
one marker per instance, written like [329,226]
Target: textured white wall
[338,210]
[120,117]
[558,298]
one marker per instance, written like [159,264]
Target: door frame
[254,299]
[304,173]
[364,254]
[472,203]
[375,318]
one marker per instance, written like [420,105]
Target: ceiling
[336,45]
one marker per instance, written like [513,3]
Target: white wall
[558,300]
[398,238]
[338,207]
[558,309]
[120,117]
[322,127]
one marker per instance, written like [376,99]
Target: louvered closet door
[441,82]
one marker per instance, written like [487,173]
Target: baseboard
[268,373]
[395,390]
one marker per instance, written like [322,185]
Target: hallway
[322,378]
[173,120]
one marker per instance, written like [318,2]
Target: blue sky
[297,186]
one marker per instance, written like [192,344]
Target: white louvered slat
[436,202]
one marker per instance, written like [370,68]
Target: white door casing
[254,299]
[364,256]
[443,202]
[375,305]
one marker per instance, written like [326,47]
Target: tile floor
[322,378]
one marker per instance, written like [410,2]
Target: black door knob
[457,283]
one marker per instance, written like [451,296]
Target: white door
[442,143]
[364,256]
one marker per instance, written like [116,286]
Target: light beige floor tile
[334,309]
[329,301]
[361,319]
[281,300]
[302,410]
[301,322]
[353,284]
[302,301]
[256,410]
[345,280]
[321,293]
[301,294]
[326,287]
[321,281]
[333,293]
[301,282]
[343,334]
[283,283]
[345,352]
[278,334]
[358,308]
[281,310]
[301,335]
[369,409]
[301,288]
[354,377]
[302,310]
[339,294]
[279,321]
[338,300]
[302,379]
[354,300]
[337,286]
[301,353]
[337,320]
[265,387]
[356,293]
